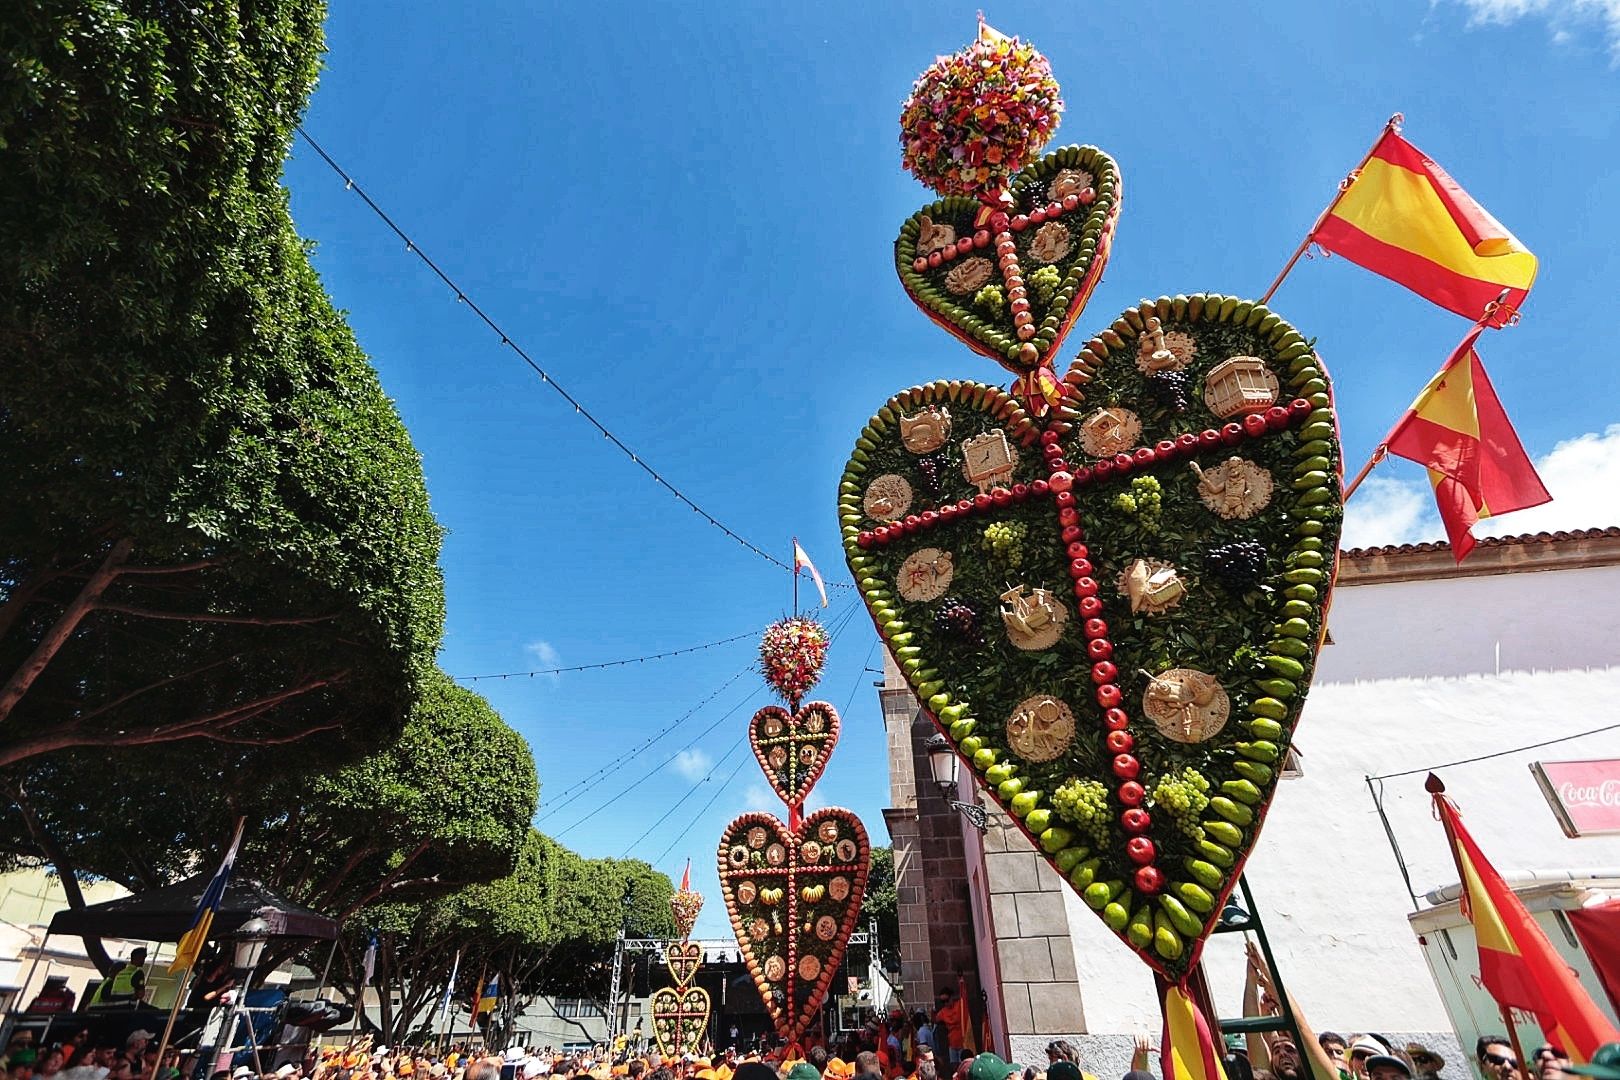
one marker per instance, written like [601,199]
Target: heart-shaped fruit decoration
[1009,281]
[683,958]
[794,897]
[1114,615]
[680,1018]
[791,655]
[793,748]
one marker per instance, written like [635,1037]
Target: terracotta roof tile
[1487,542]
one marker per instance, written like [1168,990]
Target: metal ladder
[1235,920]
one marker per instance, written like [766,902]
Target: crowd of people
[936,1045]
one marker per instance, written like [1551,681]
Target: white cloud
[547,656]
[693,764]
[1582,475]
[1385,510]
[1568,19]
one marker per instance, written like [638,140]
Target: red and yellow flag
[1458,430]
[1187,1049]
[1405,218]
[1517,963]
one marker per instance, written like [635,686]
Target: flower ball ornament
[976,117]
[685,905]
[791,655]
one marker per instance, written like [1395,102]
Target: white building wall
[1421,673]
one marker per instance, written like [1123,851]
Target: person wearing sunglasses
[1496,1059]
[1549,1061]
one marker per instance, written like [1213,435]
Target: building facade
[1431,665]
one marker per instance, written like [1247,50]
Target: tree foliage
[216,526]
[446,805]
[549,927]
[882,904]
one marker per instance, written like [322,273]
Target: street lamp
[943,766]
[250,939]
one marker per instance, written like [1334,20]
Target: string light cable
[693,790]
[644,746]
[609,663]
[839,624]
[462,297]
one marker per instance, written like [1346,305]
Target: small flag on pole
[1458,430]
[449,987]
[1403,217]
[1517,964]
[202,921]
[802,561]
[686,877]
[492,994]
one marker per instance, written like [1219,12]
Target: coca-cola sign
[1584,795]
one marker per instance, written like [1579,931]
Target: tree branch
[81,605]
[72,734]
[215,617]
[182,568]
[170,681]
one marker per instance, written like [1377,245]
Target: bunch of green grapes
[1148,495]
[1184,797]
[991,299]
[1044,283]
[1004,540]
[1125,502]
[1084,804]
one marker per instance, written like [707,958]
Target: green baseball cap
[1605,1064]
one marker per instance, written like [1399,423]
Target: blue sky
[685,212]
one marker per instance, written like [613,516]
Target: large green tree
[216,526]
[446,805]
[881,906]
[549,927]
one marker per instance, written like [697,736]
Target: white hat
[287,1070]
[380,1050]
[139,1033]
[241,1071]
[532,1068]
[513,1053]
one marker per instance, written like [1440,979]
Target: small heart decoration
[680,1018]
[1009,279]
[793,747]
[683,959]
[1114,614]
[794,897]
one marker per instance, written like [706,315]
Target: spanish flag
[1403,217]
[202,920]
[1458,430]
[1187,1049]
[1518,965]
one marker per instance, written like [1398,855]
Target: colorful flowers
[791,655]
[976,117]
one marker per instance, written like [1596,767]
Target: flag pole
[1513,1033]
[168,1028]
[795,577]
[1393,124]
[1382,449]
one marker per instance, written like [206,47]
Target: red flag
[969,1038]
[686,877]
[1518,965]
[1458,430]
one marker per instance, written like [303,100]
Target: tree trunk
[64,871]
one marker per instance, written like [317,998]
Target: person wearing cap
[1496,1059]
[988,1066]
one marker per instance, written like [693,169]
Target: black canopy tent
[166,914]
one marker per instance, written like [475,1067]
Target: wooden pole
[1513,1035]
[1392,125]
[174,1012]
[794,562]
